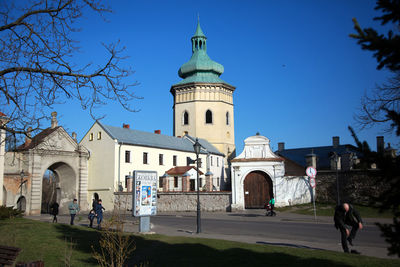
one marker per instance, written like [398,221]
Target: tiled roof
[37,139]
[180,170]
[323,154]
[141,138]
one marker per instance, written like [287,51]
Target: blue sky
[299,78]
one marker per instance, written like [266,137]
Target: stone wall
[182,201]
[355,186]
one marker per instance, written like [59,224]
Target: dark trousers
[99,220]
[91,222]
[72,219]
[354,228]
[54,217]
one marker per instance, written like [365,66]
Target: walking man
[54,211]
[346,215]
[99,213]
[73,210]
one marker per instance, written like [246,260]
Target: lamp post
[197,147]
[337,176]
[22,174]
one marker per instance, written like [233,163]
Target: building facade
[116,152]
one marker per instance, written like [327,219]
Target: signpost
[311,173]
[144,197]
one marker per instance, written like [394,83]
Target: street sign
[311,172]
[312,182]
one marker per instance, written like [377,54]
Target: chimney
[380,144]
[335,141]
[281,146]
[157,131]
[28,138]
[125,126]
[54,122]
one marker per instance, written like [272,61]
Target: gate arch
[65,187]
[257,189]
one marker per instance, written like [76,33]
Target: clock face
[311,172]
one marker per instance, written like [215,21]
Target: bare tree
[37,68]
[383,105]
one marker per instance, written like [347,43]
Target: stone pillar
[83,181]
[186,183]
[311,160]
[165,184]
[36,189]
[209,184]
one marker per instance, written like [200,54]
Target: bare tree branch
[37,70]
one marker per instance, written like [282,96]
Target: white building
[116,152]
[258,174]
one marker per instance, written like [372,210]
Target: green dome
[200,67]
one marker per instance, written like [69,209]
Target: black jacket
[341,217]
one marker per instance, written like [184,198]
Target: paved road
[251,226]
[284,230]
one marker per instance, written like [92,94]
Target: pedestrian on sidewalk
[54,211]
[347,216]
[99,213]
[73,210]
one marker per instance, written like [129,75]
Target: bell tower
[203,102]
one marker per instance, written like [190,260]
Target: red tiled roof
[2,114]
[180,170]
[37,139]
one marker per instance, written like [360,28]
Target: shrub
[9,212]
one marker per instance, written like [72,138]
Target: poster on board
[144,195]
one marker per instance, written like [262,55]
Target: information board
[144,193]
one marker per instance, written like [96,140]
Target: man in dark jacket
[345,214]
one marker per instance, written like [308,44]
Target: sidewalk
[246,215]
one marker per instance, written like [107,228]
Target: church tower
[203,103]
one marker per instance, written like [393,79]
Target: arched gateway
[55,150]
[255,174]
[257,190]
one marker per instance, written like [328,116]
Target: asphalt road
[266,229]
[286,229]
[283,230]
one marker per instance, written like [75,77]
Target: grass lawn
[49,242]
[329,210]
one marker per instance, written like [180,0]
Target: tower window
[227,118]
[209,116]
[185,118]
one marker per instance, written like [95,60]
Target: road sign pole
[315,211]
[312,173]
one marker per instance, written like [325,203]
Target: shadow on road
[247,215]
[287,245]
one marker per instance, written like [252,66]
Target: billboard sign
[144,193]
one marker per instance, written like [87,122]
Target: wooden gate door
[257,190]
